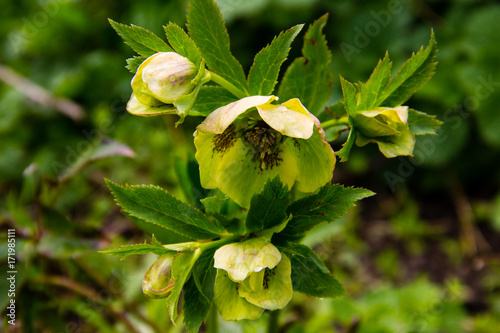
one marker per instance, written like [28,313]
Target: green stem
[219,242]
[228,86]
[212,324]
[335,122]
[272,324]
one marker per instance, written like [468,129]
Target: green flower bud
[157,281]
[160,80]
[388,128]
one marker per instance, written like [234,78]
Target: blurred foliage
[421,256]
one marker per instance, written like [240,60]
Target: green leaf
[204,273]
[329,204]
[134,63]
[267,63]
[211,98]
[370,91]
[188,172]
[349,91]
[181,269]
[309,274]
[182,43]
[128,250]
[421,123]
[206,27]
[157,206]
[142,41]
[310,78]
[163,235]
[268,208]
[412,75]
[196,306]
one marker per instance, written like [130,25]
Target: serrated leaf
[412,75]
[264,72]
[310,78]
[128,250]
[211,98]
[268,208]
[134,63]
[347,146]
[204,273]
[181,269]
[370,91]
[207,29]
[309,274]
[329,204]
[155,205]
[182,43]
[196,306]
[141,40]
[421,123]
[349,92]
[165,236]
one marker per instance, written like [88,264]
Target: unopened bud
[158,282]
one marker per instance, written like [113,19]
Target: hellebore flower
[157,281]
[388,128]
[242,144]
[252,276]
[160,80]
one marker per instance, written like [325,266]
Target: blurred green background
[421,256]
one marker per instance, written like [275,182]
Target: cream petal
[220,119]
[241,259]
[135,107]
[290,118]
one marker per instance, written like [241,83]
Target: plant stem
[228,86]
[272,324]
[335,122]
[212,324]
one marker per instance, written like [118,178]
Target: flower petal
[392,146]
[290,118]
[135,107]
[168,76]
[140,88]
[220,119]
[241,259]
[230,305]
[315,161]
[276,289]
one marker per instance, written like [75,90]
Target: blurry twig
[39,95]
[86,291]
[465,217]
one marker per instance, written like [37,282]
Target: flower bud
[163,78]
[157,281]
[382,121]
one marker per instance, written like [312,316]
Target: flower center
[263,141]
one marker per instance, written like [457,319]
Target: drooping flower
[158,281]
[240,145]
[161,80]
[388,128]
[252,276]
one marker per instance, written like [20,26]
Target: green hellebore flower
[242,144]
[157,281]
[252,276]
[388,128]
[160,80]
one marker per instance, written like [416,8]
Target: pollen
[224,141]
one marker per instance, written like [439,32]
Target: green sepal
[141,40]
[309,274]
